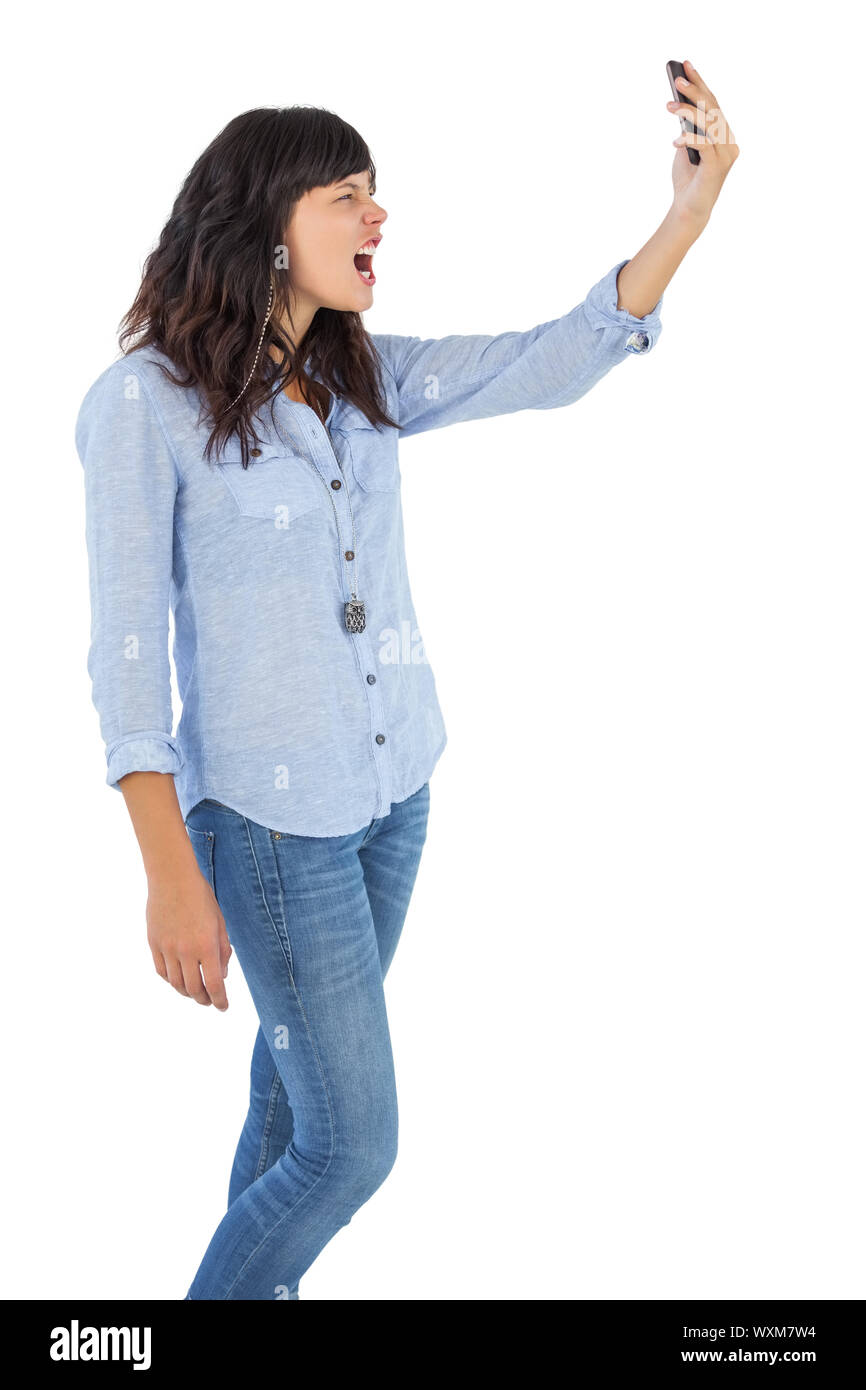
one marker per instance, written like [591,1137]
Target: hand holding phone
[675,70]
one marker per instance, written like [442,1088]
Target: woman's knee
[355,1156]
[363,1163]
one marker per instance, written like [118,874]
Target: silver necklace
[353,608]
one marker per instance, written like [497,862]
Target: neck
[300,388]
[295,332]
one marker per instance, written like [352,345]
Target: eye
[345,195]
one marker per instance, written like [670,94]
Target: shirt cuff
[147,751]
[625,332]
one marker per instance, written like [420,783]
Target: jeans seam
[273,1100]
[286,937]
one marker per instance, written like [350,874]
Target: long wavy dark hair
[205,287]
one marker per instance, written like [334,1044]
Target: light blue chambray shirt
[288,717]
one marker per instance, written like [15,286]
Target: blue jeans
[314,923]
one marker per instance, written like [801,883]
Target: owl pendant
[355,618]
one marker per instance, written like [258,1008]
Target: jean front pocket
[202,842]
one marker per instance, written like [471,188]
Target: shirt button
[371,680]
[350,554]
[335,483]
[256,453]
[380,738]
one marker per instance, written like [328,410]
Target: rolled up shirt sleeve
[626,333]
[443,381]
[131,479]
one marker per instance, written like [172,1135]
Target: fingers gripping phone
[675,70]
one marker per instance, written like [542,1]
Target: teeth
[366,273]
[368,248]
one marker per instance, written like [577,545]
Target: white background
[627,1005]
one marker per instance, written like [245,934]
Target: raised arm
[443,381]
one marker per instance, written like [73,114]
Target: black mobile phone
[675,70]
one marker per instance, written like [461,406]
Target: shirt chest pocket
[278,486]
[373,452]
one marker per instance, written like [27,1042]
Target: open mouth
[364,260]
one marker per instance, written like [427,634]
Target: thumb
[225,951]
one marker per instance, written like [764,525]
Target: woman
[241,469]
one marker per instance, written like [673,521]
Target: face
[328,228]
